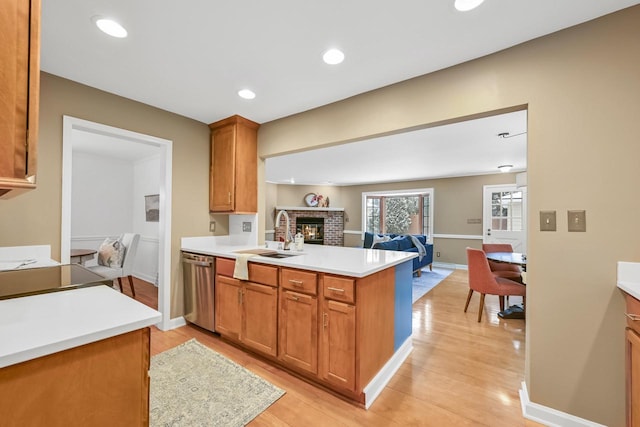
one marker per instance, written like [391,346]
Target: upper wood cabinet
[19,94]
[233,178]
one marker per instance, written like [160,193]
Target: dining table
[515,311]
[80,256]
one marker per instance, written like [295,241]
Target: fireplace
[312,229]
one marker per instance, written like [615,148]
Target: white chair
[130,242]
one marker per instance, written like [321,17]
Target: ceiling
[192,58]
[467,148]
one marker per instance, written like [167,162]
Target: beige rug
[192,385]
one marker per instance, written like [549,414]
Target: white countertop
[17,257]
[39,325]
[629,278]
[355,262]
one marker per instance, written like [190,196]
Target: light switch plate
[246,226]
[577,220]
[547,220]
[212,226]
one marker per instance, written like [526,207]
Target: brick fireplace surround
[333,223]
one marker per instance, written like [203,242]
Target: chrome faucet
[287,233]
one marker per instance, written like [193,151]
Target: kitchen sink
[278,255]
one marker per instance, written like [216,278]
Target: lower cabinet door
[260,322]
[299,330]
[228,306]
[633,378]
[338,354]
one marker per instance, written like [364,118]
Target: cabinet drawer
[633,308]
[265,274]
[299,281]
[259,273]
[225,266]
[339,288]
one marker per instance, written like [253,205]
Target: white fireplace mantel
[307,208]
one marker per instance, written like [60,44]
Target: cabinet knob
[335,289]
[324,320]
[296,282]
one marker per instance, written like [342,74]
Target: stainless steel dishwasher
[199,296]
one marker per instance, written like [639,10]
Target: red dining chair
[502,269]
[482,280]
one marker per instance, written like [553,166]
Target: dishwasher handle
[198,263]
[199,260]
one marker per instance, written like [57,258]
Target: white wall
[108,200]
[146,181]
[102,195]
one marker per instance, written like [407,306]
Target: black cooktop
[32,281]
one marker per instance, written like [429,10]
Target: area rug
[427,281]
[192,385]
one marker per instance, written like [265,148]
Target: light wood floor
[460,373]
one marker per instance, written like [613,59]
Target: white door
[505,216]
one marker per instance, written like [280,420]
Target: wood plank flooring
[460,373]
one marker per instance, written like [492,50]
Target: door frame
[164,232]
[486,221]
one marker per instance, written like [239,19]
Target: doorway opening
[72,127]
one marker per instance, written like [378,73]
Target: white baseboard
[174,323]
[451,265]
[382,378]
[145,277]
[549,416]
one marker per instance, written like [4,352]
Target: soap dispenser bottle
[299,241]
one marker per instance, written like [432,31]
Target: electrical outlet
[246,226]
[547,220]
[577,220]
[212,226]
[437,254]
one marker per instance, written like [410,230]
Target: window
[506,210]
[404,212]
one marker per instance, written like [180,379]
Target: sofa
[402,242]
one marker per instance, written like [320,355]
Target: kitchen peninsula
[338,317]
[72,357]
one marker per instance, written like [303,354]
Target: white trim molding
[549,416]
[458,236]
[305,208]
[351,232]
[451,266]
[382,378]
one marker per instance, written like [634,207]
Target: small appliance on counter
[32,281]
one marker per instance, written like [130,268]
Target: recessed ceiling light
[466,5]
[246,94]
[333,56]
[110,27]
[505,168]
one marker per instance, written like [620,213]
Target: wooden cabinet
[19,94]
[633,361]
[338,354]
[633,378]
[233,177]
[260,318]
[337,331]
[105,383]
[228,307]
[247,311]
[298,325]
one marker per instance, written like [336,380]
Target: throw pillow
[404,242]
[379,239]
[390,245]
[111,253]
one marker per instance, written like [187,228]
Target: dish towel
[241,269]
